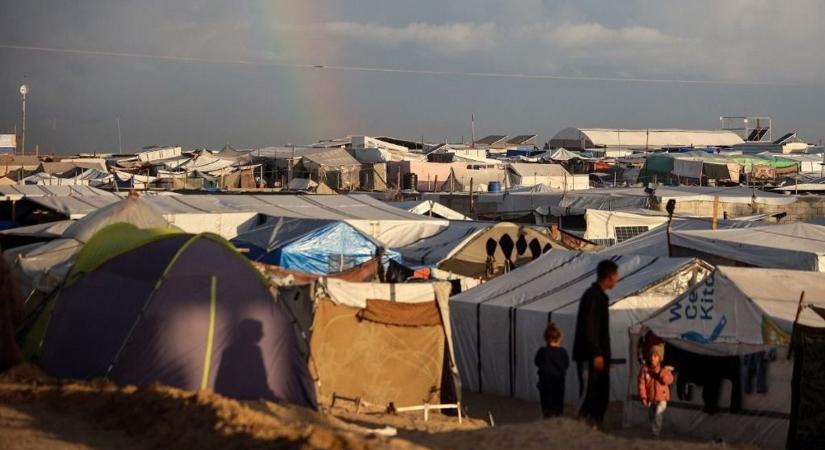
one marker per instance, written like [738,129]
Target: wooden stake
[714,223]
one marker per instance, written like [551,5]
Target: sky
[258,73]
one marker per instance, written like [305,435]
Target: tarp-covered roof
[331,158]
[798,246]
[132,210]
[388,224]
[654,242]
[17,192]
[562,154]
[542,170]
[431,251]
[281,232]
[311,245]
[430,208]
[652,138]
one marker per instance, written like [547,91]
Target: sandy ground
[40,413]
[34,427]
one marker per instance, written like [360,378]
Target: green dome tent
[158,305]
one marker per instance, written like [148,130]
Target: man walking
[591,345]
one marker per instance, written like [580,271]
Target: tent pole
[796,321]
[715,223]
[471,196]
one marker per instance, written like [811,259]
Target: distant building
[620,142]
[787,144]
[554,176]
[495,141]
[503,141]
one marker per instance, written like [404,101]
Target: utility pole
[24,90]
[119,139]
[473,130]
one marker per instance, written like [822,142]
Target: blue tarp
[524,151]
[313,246]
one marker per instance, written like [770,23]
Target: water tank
[494,186]
[410,181]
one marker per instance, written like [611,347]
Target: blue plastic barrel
[494,186]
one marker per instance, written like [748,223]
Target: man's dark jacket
[592,326]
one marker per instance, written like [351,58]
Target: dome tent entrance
[178,309]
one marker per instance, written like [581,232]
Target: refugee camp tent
[479,176]
[41,267]
[562,155]
[510,205]
[41,232]
[655,241]
[430,208]
[719,329]
[377,342]
[554,176]
[611,227]
[229,215]
[499,325]
[799,246]
[463,248]
[311,245]
[183,310]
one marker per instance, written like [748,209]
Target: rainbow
[312,94]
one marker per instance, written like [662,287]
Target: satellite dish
[24,89]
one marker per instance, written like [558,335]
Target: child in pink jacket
[654,387]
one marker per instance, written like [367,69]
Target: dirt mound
[25,373]
[164,417]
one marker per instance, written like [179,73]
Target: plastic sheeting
[430,208]
[798,246]
[391,226]
[131,210]
[42,267]
[654,242]
[313,246]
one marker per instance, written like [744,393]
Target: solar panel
[762,133]
[491,139]
[604,242]
[625,233]
[520,139]
[754,136]
[784,138]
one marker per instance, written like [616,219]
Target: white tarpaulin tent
[43,266]
[654,242]
[553,175]
[499,325]
[462,247]
[430,208]
[798,246]
[229,215]
[734,312]
[610,227]
[563,155]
